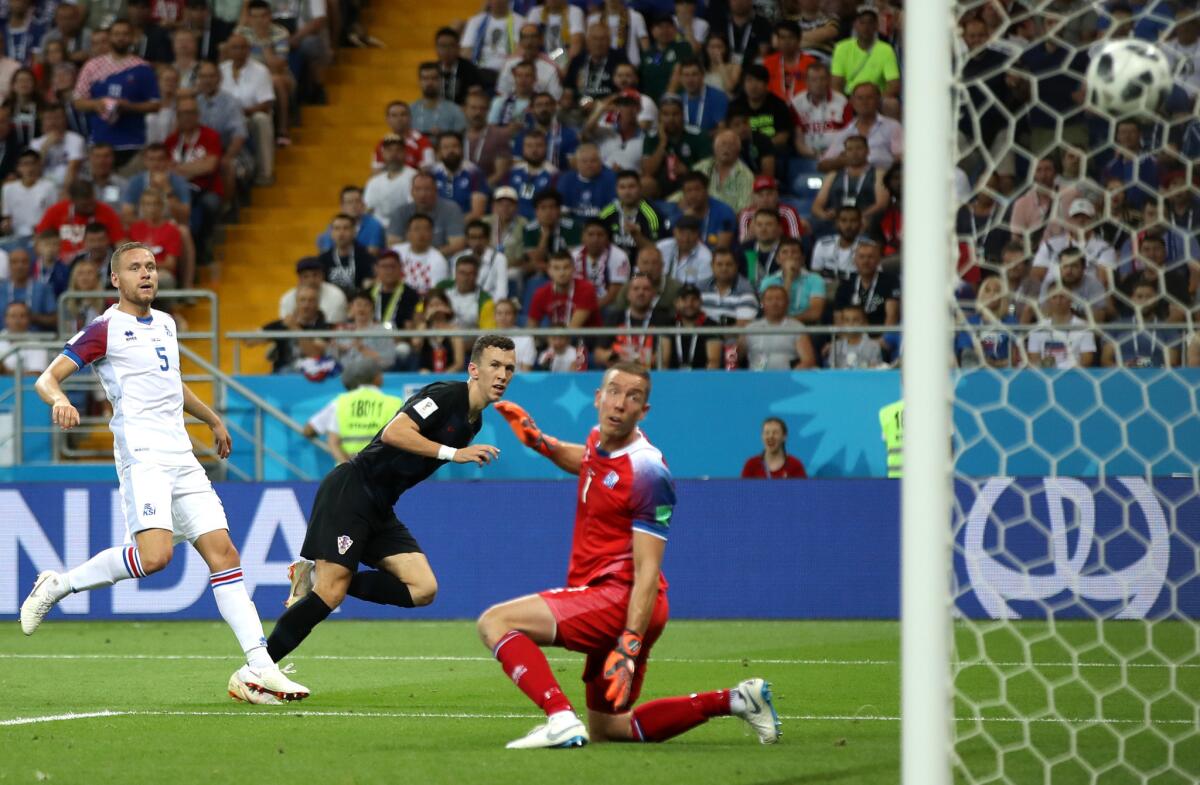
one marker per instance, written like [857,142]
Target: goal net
[1075,652]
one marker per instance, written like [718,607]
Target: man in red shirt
[71,216]
[614,606]
[565,299]
[773,463]
[418,150]
[766,197]
[162,237]
[788,67]
[196,156]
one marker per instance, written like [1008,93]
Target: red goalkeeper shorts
[590,619]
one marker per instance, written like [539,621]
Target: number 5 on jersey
[162,355]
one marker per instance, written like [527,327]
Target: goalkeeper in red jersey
[614,606]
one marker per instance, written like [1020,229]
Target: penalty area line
[430,715]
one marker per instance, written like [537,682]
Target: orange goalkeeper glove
[525,428]
[620,666]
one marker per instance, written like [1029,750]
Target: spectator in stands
[561,140]
[692,351]
[369,231]
[560,356]
[1062,339]
[220,111]
[772,350]
[390,189]
[550,230]
[730,180]
[621,146]
[820,113]
[446,216]
[187,57]
[704,106]
[492,274]
[424,265]
[310,273]
[806,290]
[347,263]
[394,303]
[597,260]
[672,151]
[864,59]
[633,221]
[1132,165]
[162,122]
[1033,211]
[305,315]
[981,233]
[196,155]
[507,227]
[666,289]
[162,237]
[249,82]
[561,27]
[1150,346]
[788,66]
[25,104]
[746,33]
[457,74]
[70,30]
[48,267]
[418,151]
[79,312]
[437,354]
[532,174]
[769,114]
[1183,47]
[381,350]
[22,31]
[766,197]
[27,198]
[71,216]
[97,245]
[625,82]
[100,172]
[853,349]
[31,359]
[269,46]
[590,74]
[686,259]
[1100,257]
[158,174]
[22,287]
[833,256]
[490,37]
[1089,298]
[719,72]
[62,150]
[885,137]
[590,186]
[62,90]
[692,28]
[774,463]
[638,312]
[10,145]
[545,72]
[717,220]
[564,299]
[1183,205]
[856,184]
[660,61]
[308,45]
[727,297]
[877,292]
[118,90]
[431,113]
[150,40]
[1023,290]
[628,33]
[486,146]
[473,306]
[1176,279]
[1057,73]
[763,246]
[459,180]
[506,319]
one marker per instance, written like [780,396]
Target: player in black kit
[352,519]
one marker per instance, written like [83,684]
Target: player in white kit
[165,493]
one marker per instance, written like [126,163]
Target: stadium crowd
[585,164]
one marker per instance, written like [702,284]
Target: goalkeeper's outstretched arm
[564,455]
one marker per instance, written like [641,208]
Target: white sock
[105,568]
[737,704]
[240,614]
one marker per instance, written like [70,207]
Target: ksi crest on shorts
[344,544]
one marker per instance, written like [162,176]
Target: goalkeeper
[614,606]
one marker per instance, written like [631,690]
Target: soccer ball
[1128,77]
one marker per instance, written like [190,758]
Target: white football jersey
[137,361]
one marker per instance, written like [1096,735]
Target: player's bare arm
[49,389]
[647,564]
[565,455]
[403,434]
[192,404]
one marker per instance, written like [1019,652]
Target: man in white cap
[1100,257]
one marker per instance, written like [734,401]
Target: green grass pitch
[422,702]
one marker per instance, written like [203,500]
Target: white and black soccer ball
[1128,77]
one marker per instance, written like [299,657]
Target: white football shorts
[177,498]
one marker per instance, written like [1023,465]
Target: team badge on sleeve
[344,544]
[610,480]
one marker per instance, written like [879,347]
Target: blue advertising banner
[1027,548]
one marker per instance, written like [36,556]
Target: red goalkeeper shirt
[619,493]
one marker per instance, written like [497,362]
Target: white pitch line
[289,713]
[681,660]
